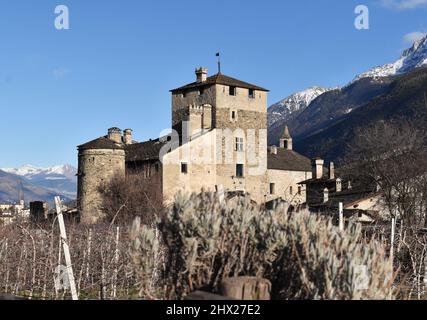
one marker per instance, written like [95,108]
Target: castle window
[239,170]
[233,115]
[272,188]
[299,190]
[232,91]
[201,91]
[251,93]
[184,94]
[184,168]
[239,144]
[291,191]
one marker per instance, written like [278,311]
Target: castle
[218,142]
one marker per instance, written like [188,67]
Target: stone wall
[180,103]
[286,185]
[95,168]
[199,155]
[249,123]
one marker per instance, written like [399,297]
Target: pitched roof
[148,150]
[101,143]
[219,78]
[349,198]
[288,160]
[286,134]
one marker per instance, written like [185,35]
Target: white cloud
[60,73]
[404,4]
[413,36]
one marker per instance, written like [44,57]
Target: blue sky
[117,63]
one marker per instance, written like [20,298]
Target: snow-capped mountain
[322,106]
[61,179]
[29,171]
[293,104]
[411,58]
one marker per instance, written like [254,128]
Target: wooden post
[393,230]
[221,192]
[66,249]
[116,263]
[341,216]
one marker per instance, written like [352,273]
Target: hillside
[11,186]
[343,108]
[404,98]
[60,179]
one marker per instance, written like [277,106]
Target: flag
[217,54]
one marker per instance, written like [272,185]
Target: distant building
[9,212]
[325,191]
[39,211]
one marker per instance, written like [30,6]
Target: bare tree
[393,156]
[125,198]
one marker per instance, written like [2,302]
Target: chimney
[127,136]
[338,185]
[325,195]
[273,150]
[202,74]
[331,171]
[317,168]
[115,134]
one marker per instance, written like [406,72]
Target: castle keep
[218,143]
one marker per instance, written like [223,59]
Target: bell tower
[286,140]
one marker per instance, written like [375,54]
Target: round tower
[98,162]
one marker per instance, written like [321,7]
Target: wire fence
[31,262]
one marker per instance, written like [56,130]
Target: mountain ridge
[59,180]
[334,105]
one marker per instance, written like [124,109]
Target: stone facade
[96,166]
[284,185]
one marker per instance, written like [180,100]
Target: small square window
[251,93]
[272,188]
[232,91]
[184,168]
[239,170]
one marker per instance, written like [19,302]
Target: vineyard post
[66,248]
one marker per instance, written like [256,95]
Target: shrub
[203,240]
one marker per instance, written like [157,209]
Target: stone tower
[286,140]
[237,111]
[98,162]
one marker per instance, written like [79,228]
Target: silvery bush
[203,240]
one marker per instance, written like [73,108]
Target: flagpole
[219,62]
